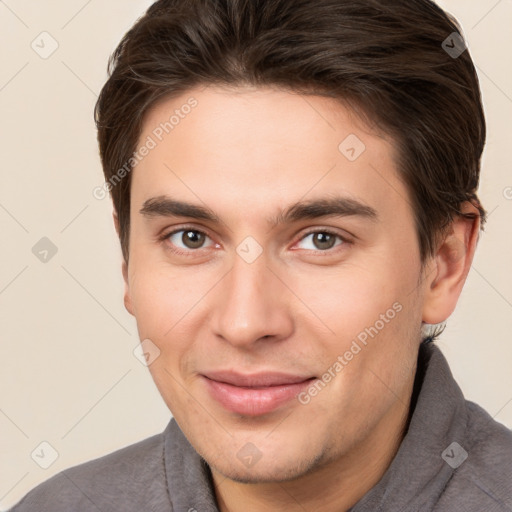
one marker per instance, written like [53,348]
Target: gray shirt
[454,457]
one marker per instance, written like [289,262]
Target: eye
[187,239]
[322,240]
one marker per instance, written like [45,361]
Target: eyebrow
[165,206]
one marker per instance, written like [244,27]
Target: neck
[336,486]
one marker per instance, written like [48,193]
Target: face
[300,257]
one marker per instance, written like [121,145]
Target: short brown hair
[383,57]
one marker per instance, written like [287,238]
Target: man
[294,188]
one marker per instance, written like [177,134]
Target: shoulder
[127,479]
[490,441]
[485,475]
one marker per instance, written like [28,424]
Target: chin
[262,472]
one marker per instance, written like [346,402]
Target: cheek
[164,310]
[157,311]
[154,305]
[170,307]
[345,299]
[162,295]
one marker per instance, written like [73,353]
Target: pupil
[193,239]
[323,240]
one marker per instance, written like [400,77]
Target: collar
[418,474]
[438,417]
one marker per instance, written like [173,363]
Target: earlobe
[124,269]
[116,221]
[451,266]
[127,295]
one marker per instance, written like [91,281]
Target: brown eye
[322,240]
[187,239]
[192,239]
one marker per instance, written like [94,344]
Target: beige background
[68,375]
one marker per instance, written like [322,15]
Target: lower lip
[253,401]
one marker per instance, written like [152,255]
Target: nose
[252,304]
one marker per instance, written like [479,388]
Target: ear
[116,221]
[124,270]
[450,267]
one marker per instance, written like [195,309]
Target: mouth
[254,395]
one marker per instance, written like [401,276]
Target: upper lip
[255,379]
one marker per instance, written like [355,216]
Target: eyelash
[189,253]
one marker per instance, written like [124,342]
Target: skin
[246,153]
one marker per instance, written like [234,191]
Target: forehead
[256,148]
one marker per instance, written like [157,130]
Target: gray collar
[418,474]
[416,477]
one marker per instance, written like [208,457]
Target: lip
[261,379]
[256,394]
